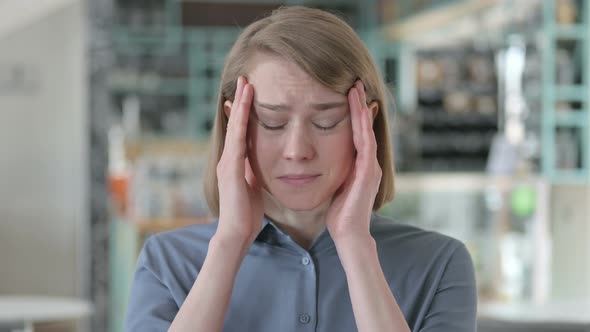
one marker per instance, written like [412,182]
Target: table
[27,309]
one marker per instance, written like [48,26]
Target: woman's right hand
[240,198]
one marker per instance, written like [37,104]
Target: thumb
[250,177]
[347,184]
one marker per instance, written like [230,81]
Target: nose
[298,144]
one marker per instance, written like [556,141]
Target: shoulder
[431,274]
[410,243]
[389,232]
[178,246]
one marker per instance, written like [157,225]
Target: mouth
[299,179]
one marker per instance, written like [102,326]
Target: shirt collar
[269,233]
[273,235]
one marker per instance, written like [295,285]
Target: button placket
[309,302]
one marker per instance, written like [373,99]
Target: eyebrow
[284,108]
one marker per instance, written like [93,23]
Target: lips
[298,176]
[298,179]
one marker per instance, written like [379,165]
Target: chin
[300,202]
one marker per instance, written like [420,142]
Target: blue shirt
[282,287]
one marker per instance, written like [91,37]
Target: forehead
[278,80]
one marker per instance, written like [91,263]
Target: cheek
[347,156]
[348,152]
[259,150]
[251,136]
[344,139]
[259,142]
[341,156]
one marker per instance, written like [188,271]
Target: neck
[302,226]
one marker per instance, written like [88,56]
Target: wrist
[229,242]
[353,238]
[353,249]
[241,232]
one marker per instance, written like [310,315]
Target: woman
[300,160]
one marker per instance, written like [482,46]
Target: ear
[374,109]
[227,108]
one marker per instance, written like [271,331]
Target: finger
[369,142]
[234,151]
[372,137]
[226,162]
[366,127]
[350,180]
[363,135]
[237,98]
[239,127]
[368,133]
[363,102]
[361,91]
[363,99]
[234,118]
[356,117]
[250,177]
[239,89]
[347,184]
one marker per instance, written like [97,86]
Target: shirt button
[305,261]
[304,319]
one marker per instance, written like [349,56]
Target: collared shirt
[281,287]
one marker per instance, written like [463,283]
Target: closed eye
[265,126]
[322,128]
[329,127]
[325,128]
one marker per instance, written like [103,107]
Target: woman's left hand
[350,211]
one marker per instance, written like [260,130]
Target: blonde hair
[329,51]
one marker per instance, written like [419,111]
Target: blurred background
[106,107]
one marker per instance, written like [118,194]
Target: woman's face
[299,135]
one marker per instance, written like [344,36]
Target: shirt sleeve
[151,305]
[454,306]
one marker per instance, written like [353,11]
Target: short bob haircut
[328,50]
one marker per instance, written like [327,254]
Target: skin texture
[341,198]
